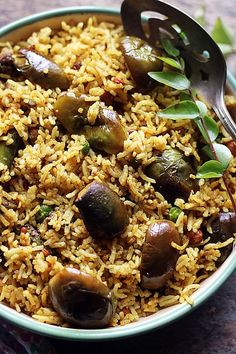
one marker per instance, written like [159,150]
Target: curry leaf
[207,150]
[202,108]
[181,110]
[222,152]
[194,93]
[169,48]
[226,48]
[182,63]
[185,96]
[184,38]
[200,15]
[221,33]
[170,78]
[210,169]
[181,34]
[199,124]
[212,128]
[172,62]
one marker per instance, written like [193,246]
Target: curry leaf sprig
[209,130]
[189,107]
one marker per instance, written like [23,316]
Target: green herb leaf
[172,62]
[184,38]
[182,63]
[169,48]
[222,152]
[202,108]
[210,169]
[207,150]
[170,78]
[85,148]
[226,48]
[212,128]
[181,34]
[200,16]
[199,124]
[185,96]
[176,28]
[221,33]
[181,110]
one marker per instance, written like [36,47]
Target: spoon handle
[225,117]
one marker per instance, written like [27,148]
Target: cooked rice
[53,170]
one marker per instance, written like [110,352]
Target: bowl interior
[22,29]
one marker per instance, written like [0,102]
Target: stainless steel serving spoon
[205,63]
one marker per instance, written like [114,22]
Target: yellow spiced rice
[54,169]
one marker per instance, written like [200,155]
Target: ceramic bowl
[22,29]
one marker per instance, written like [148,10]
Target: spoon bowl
[205,63]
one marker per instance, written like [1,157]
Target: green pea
[174,213]
[85,148]
[43,212]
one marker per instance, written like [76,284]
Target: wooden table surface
[211,329]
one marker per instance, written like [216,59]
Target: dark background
[211,329]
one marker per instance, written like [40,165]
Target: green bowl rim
[152,322]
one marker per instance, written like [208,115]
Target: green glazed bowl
[19,30]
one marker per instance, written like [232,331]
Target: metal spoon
[205,63]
